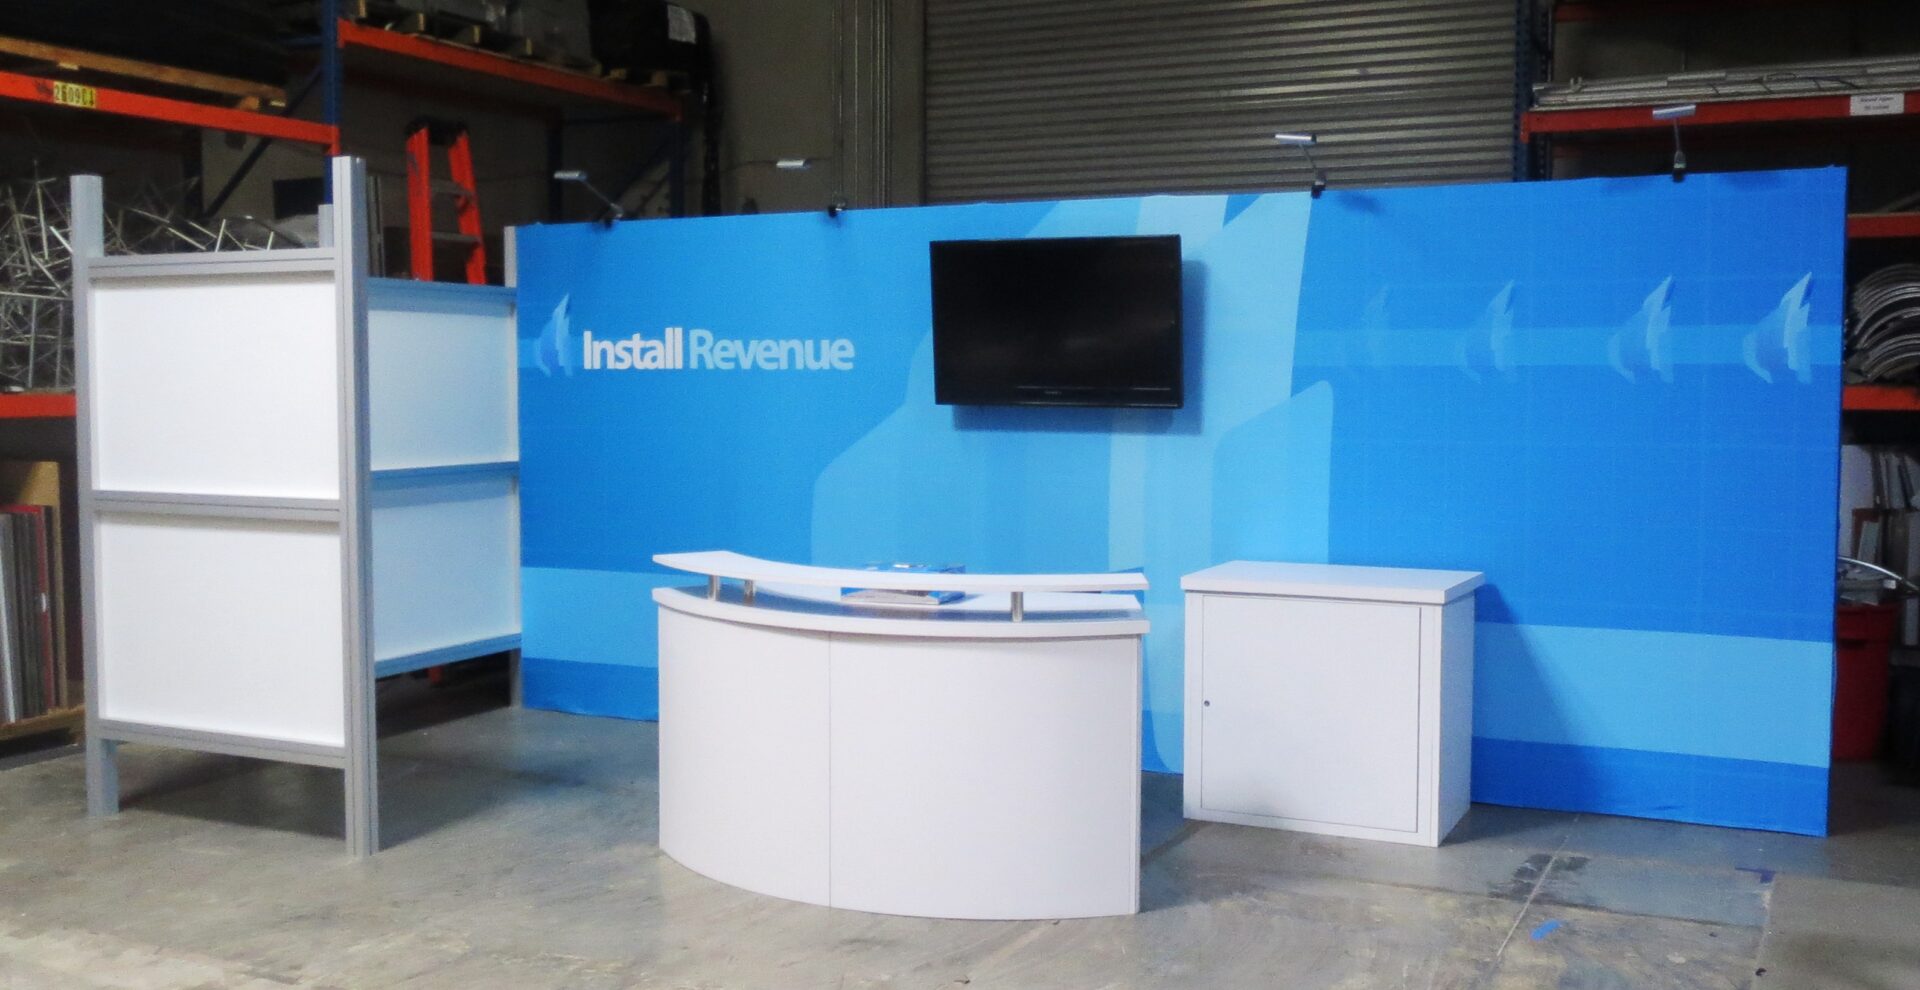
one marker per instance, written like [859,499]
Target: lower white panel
[743,754]
[446,564]
[986,778]
[221,625]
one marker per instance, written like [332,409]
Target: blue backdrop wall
[1618,398]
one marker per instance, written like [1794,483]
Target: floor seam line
[1185,832]
[1527,905]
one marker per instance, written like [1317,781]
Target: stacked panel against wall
[33,651]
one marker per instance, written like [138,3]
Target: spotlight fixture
[1306,143]
[793,164]
[578,177]
[1675,114]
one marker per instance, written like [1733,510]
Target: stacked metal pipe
[1889,74]
[36,266]
[1883,338]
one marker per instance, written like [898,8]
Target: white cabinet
[1330,699]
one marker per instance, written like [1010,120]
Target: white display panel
[743,754]
[985,778]
[446,564]
[440,365]
[1328,690]
[220,625]
[216,385]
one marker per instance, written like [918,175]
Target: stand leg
[363,807]
[103,776]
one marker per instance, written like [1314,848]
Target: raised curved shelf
[1049,615]
[740,567]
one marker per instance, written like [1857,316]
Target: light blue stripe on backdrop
[1731,697]
[1548,684]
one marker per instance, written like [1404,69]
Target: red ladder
[423,136]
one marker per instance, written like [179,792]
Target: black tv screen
[1086,321]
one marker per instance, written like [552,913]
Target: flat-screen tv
[1084,321]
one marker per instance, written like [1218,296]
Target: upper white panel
[738,566]
[221,625]
[216,385]
[440,365]
[1360,584]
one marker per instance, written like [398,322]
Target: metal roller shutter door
[1060,98]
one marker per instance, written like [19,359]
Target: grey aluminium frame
[345,260]
[510,268]
[351,241]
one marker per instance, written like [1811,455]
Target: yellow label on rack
[75,95]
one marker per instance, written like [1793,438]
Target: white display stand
[293,479]
[943,761]
[1328,699]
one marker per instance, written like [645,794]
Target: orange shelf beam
[578,84]
[95,99]
[36,405]
[1883,225]
[1880,398]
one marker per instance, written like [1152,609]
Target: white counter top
[1334,581]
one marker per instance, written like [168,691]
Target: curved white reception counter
[979,759]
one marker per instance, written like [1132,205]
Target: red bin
[1863,652]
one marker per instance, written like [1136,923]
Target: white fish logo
[554,351]
[1781,342]
[1643,344]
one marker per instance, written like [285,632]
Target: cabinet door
[1312,710]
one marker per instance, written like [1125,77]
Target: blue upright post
[331,81]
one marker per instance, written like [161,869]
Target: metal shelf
[1792,109]
[551,84]
[442,70]
[122,103]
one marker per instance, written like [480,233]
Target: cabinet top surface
[1373,584]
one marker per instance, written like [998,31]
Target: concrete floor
[520,853]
